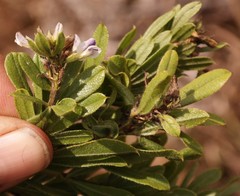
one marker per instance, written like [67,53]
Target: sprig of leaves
[90,106]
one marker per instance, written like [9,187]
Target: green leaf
[71,72]
[194,148]
[15,72]
[117,66]
[108,128]
[205,179]
[140,50]
[153,92]
[184,15]
[203,86]
[147,129]
[59,45]
[158,25]
[194,63]
[101,147]
[169,62]
[184,32]
[168,153]
[71,137]
[24,107]
[32,71]
[42,44]
[64,106]
[86,83]
[214,120]
[24,95]
[156,181]
[170,125]
[182,192]
[126,41]
[98,190]
[123,91]
[94,161]
[93,103]
[189,175]
[101,36]
[59,124]
[41,119]
[189,117]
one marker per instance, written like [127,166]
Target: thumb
[24,151]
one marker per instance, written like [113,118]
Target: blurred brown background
[221,19]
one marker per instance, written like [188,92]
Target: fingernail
[23,153]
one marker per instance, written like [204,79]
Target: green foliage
[90,107]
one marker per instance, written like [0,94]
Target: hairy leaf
[170,125]
[153,92]
[203,86]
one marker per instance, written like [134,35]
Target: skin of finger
[7,107]
[13,130]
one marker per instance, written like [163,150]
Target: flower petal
[58,29]
[90,42]
[21,40]
[76,43]
[91,51]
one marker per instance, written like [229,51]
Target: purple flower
[87,48]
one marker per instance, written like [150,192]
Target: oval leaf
[156,181]
[153,92]
[190,117]
[93,103]
[203,86]
[101,147]
[169,62]
[24,107]
[170,125]
[32,71]
[15,72]
[86,83]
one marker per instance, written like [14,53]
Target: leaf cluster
[96,104]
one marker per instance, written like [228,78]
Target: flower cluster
[52,43]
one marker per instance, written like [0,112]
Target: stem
[53,92]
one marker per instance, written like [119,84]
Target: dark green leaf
[92,161]
[15,72]
[71,137]
[59,45]
[126,41]
[23,94]
[24,106]
[205,179]
[153,92]
[108,128]
[101,147]
[40,119]
[194,148]
[194,63]
[203,86]
[156,181]
[122,90]
[147,129]
[42,44]
[71,72]
[86,83]
[98,190]
[32,71]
